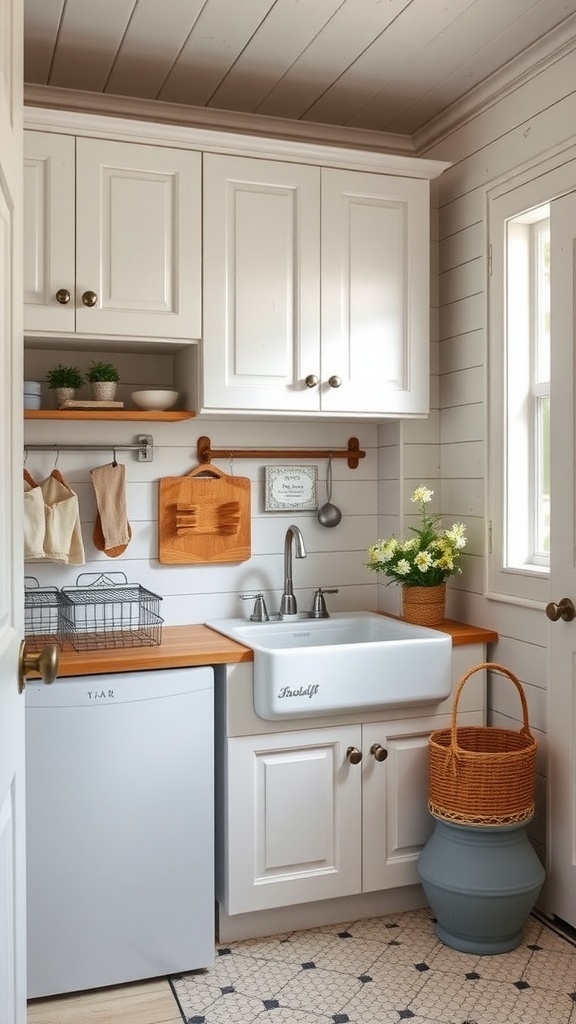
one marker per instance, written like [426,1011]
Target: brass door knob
[334,381]
[353,755]
[62,296]
[89,298]
[311,380]
[44,661]
[563,610]
[378,752]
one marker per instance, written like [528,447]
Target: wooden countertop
[462,633]
[184,646]
[181,647]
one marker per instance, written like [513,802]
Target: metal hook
[114,463]
[57,450]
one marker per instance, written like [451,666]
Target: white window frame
[527,584]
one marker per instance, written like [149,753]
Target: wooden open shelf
[106,414]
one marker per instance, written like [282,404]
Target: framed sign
[291,487]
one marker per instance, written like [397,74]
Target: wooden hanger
[29,479]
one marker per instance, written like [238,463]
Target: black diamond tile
[521,985]
[394,942]
[227,989]
[472,976]
[572,996]
[364,978]
[196,1020]
[271,1004]
[393,925]
[224,952]
[421,967]
[340,1018]
[405,1014]
[535,947]
[309,966]
[344,935]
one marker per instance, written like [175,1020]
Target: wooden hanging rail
[352,453]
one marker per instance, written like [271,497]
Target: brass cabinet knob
[44,661]
[353,755]
[89,298]
[378,752]
[311,380]
[563,610]
[334,381]
[62,296]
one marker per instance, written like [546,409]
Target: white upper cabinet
[112,238]
[316,290]
[261,333]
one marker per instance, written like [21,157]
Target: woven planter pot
[424,606]
[103,390]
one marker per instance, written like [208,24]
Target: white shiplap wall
[196,593]
[531,122]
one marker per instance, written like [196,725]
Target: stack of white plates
[32,389]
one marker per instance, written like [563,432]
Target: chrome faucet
[288,602]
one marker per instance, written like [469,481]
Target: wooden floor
[144,1002]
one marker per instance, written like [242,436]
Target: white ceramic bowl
[155,401]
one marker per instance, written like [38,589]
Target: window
[527,392]
[518,509]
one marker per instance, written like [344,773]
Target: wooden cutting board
[204,516]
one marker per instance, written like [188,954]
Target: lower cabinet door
[294,818]
[396,821]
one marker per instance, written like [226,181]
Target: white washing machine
[120,833]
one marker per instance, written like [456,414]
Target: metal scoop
[329,514]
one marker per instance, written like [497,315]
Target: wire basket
[108,612]
[43,620]
[482,775]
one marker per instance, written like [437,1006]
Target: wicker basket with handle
[482,775]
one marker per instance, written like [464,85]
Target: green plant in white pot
[103,379]
[64,381]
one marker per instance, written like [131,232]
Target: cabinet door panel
[138,240]
[261,284]
[375,293]
[294,810]
[396,818]
[49,189]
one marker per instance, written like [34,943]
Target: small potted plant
[421,564]
[103,379]
[64,381]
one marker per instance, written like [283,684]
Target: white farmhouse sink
[352,660]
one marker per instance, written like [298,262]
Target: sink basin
[353,660]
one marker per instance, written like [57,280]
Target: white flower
[422,495]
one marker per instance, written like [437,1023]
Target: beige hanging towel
[63,532]
[34,519]
[110,486]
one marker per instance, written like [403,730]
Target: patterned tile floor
[382,971]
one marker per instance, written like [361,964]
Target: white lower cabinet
[320,813]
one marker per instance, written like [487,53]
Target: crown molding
[556,44]
[75,119]
[219,120]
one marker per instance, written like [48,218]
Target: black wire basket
[105,611]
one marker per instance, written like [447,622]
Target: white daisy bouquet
[427,558]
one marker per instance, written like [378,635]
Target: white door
[138,240]
[261,284]
[12,866]
[562,643]
[375,275]
[294,812]
[396,822]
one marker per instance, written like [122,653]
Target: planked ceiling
[385,65]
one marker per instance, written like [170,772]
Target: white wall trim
[218,120]
[215,141]
[552,47]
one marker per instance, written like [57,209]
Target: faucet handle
[260,611]
[319,609]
